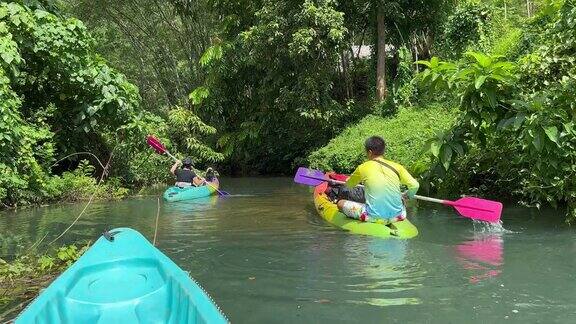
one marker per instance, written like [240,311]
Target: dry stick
[104,172]
[156,227]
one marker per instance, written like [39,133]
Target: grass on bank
[406,134]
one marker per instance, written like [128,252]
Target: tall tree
[381,89]
[394,23]
[273,68]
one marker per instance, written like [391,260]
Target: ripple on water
[493,228]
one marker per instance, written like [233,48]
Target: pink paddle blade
[477,208]
[155,144]
[309,177]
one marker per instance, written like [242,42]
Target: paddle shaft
[424,198]
[471,207]
[430,199]
[446,202]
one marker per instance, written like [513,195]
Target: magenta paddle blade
[155,144]
[309,177]
[477,208]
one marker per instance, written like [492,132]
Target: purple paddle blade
[309,177]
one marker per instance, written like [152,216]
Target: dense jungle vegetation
[475,97]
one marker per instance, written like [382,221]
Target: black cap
[187,162]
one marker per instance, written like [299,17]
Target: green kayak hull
[180,194]
[126,280]
[329,211]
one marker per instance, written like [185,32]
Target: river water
[265,256]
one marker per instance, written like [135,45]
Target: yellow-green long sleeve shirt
[382,187]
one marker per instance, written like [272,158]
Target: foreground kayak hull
[126,280]
[329,211]
[180,194]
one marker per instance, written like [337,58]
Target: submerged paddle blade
[309,177]
[155,144]
[223,193]
[477,208]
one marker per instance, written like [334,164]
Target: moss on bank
[405,133]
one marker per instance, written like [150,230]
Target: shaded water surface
[265,256]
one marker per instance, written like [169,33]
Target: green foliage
[525,114]
[158,44]
[212,54]
[198,95]
[188,129]
[465,26]
[255,69]
[56,93]
[404,89]
[510,44]
[274,72]
[405,135]
[547,136]
[80,184]
[482,84]
[58,96]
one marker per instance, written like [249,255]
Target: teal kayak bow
[122,278]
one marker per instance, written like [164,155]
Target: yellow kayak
[329,211]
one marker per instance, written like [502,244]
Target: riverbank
[73,186]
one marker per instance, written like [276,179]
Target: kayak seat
[123,281]
[132,291]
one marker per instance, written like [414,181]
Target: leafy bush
[548,135]
[56,94]
[482,84]
[405,133]
[81,184]
[403,89]
[187,129]
[518,135]
[276,71]
[467,25]
[509,44]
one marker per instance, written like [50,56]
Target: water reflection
[483,256]
[191,206]
[388,278]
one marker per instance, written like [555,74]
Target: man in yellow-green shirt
[382,180]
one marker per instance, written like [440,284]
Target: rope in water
[156,227]
[104,173]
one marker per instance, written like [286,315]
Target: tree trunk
[346,73]
[381,90]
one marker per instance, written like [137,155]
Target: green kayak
[122,278]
